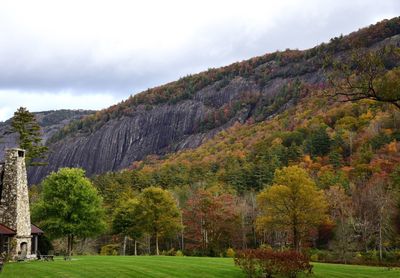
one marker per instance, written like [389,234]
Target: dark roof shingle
[35,230]
[4,230]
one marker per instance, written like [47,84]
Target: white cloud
[11,100]
[124,46]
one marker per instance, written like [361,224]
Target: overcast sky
[91,54]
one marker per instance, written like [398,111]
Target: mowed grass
[152,266]
[124,266]
[339,270]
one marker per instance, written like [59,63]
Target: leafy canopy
[128,218]
[160,214]
[293,202]
[69,205]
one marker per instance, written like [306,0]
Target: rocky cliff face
[50,121]
[150,124]
[161,129]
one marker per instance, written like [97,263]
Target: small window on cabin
[20,153]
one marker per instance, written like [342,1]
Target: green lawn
[151,266]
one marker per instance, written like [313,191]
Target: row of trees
[209,222]
[292,212]
[153,212]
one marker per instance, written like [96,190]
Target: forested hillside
[295,149]
[185,113]
[351,152]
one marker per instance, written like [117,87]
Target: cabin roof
[4,230]
[35,230]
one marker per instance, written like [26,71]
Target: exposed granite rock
[162,129]
[159,129]
[50,122]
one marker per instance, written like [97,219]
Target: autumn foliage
[211,222]
[302,171]
[269,263]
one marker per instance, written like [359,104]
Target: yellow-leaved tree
[293,204]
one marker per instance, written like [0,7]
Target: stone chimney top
[15,152]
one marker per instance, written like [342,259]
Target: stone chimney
[14,199]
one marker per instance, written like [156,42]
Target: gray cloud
[122,48]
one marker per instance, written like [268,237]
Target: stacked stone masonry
[14,201]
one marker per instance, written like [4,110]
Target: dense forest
[350,151]
[344,149]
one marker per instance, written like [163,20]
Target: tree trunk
[296,241]
[365,236]
[157,250]
[124,246]
[380,239]
[351,145]
[70,240]
[206,239]
[182,237]
[68,244]
[135,247]
[72,245]
[149,244]
[244,239]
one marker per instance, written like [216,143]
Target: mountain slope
[50,121]
[185,113]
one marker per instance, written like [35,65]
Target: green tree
[69,206]
[113,187]
[335,158]
[293,152]
[128,221]
[395,176]
[160,214]
[327,178]
[319,142]
[293,202]
[30,139]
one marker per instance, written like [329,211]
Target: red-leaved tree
[212,222]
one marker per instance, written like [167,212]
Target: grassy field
[146,266]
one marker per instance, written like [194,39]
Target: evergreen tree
[335,158]
[24,123]
[319,142]
[293,152]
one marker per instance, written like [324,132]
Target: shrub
[265,247]
[249,262]
[314,257]
[370,256]
[268,263]
[179,253]
[109,250]
[230,253]
[170,252]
